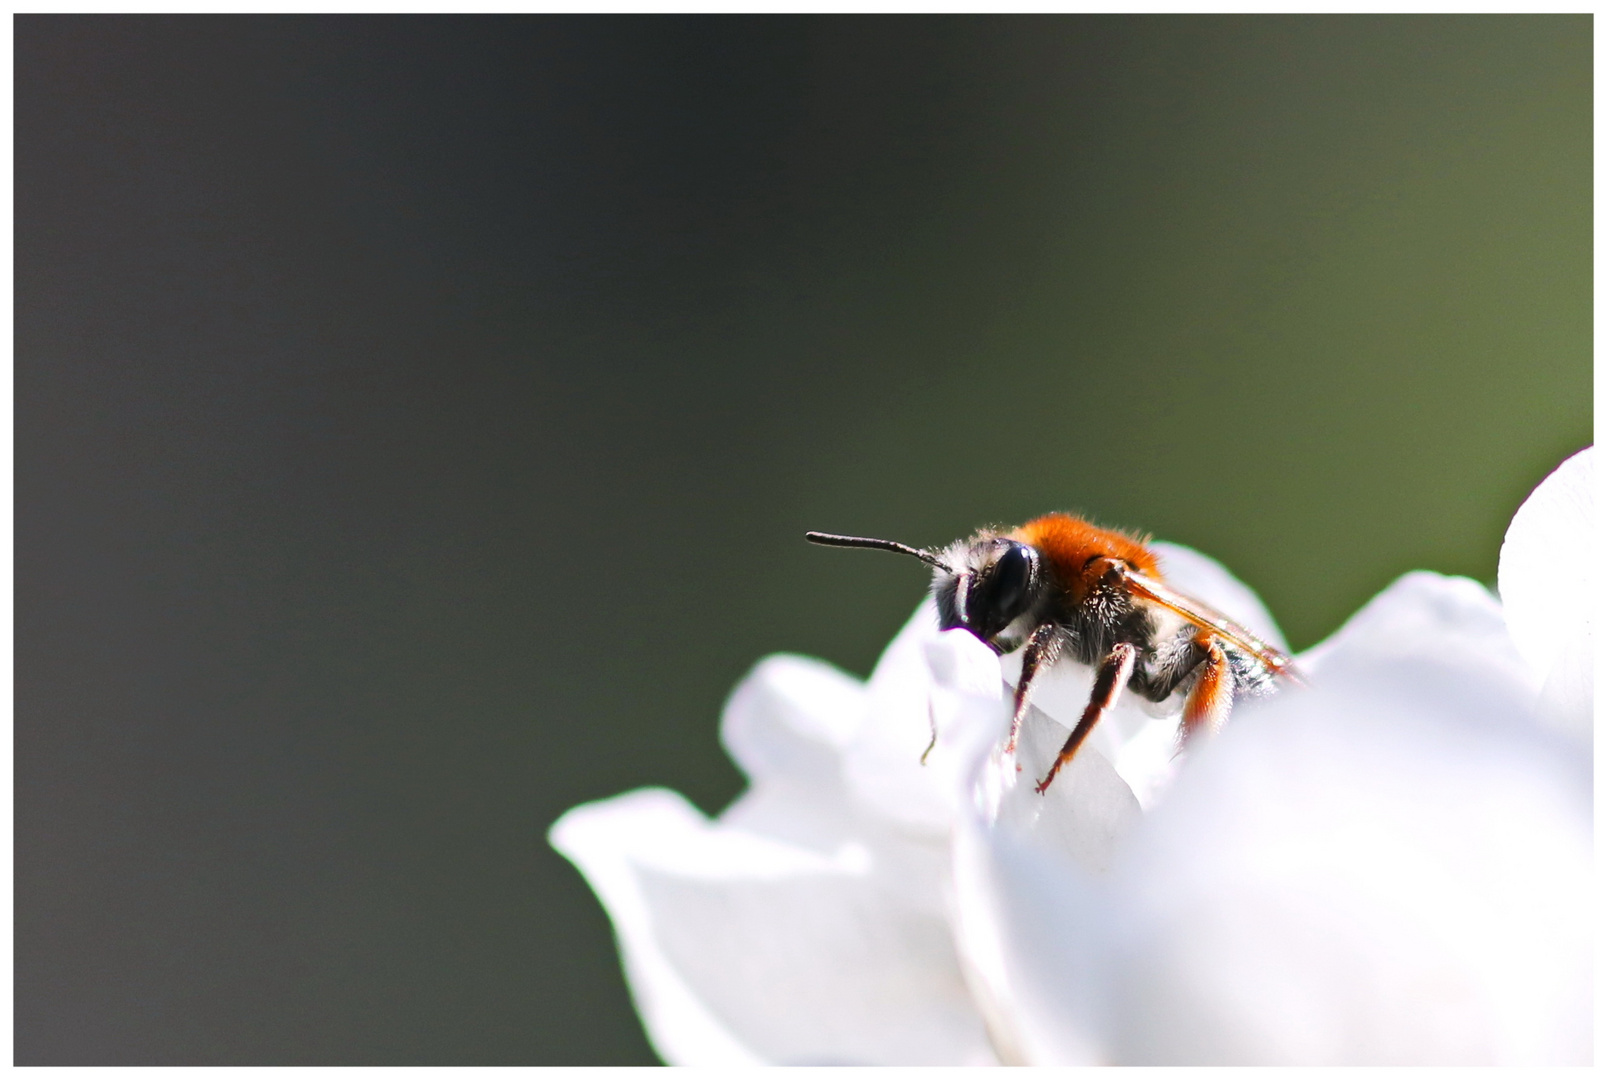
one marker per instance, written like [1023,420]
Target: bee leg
[1108,682]
[1210,699]
[1042,649]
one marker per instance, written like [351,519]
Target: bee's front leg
[1113,673]
[1042,649]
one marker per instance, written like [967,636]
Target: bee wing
[1207,617]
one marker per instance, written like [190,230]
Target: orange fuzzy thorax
[1071,547]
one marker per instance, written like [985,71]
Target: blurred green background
[417,420]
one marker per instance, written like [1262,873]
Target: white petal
[1546,572]
[1354,878]
[743,949]
[1389,867]
[1030,974]
[598,838]
[1443,638]
[960,662]
[1022,876]
[791,717]
[969,715]
[1022,863]
[785,725]
[1084,812]
[1567,700]
[883,766]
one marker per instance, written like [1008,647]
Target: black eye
[1010,576]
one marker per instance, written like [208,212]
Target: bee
[1060,588]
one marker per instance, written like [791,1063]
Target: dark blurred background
[417,420]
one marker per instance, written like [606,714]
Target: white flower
[1546,578]
[1393,865]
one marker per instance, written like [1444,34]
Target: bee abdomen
[1250,676]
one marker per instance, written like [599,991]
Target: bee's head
[981,585]
[986,585]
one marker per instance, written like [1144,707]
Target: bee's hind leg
[1210,699]
[1112,676]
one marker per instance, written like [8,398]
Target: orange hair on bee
[1070,545]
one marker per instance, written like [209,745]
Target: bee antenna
[832,540]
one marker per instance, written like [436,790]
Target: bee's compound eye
[1010,577]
